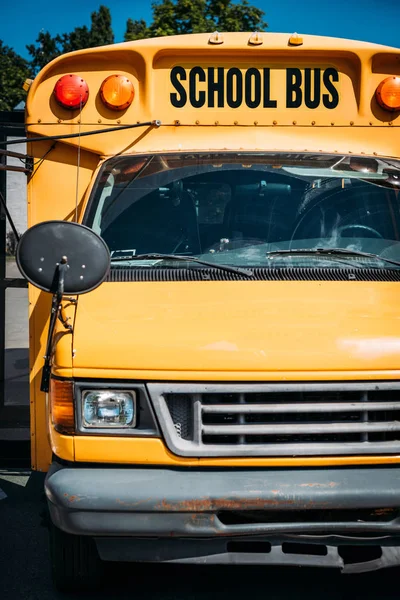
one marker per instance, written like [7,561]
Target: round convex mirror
[43,246]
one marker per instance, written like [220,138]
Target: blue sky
[369,20]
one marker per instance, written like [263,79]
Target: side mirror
[60,248]
[62,258]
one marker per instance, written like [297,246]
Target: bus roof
[227,92]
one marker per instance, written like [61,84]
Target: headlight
[109,408]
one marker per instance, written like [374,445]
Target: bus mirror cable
[68,136]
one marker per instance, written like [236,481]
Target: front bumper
[199,515]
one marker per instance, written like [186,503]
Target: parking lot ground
[24,566]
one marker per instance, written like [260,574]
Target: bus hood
[220,330]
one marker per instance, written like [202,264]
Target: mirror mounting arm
[59,277]
[64,320]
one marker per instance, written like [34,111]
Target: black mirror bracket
[59,277]
[83,266]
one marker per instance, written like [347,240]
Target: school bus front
[230,393]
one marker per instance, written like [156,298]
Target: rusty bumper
[358,506]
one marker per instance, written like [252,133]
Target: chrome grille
[274,419]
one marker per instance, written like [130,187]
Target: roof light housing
[71,92]
[388,94]
[117,92]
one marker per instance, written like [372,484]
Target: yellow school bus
[230,393]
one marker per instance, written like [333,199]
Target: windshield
[243,209]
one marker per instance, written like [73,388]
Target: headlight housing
[109,409]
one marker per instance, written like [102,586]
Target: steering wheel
[361,229]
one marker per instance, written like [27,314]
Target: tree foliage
[13,72]
[47,47]
[170,17]
[174,17]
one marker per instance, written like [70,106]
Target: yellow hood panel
[242,326]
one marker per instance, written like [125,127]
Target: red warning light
[71,91]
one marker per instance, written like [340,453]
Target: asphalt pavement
[24,566]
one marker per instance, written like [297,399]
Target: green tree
[171,17]
[76,40]
[101,32]
[47,47]
[13,72]
[136,30]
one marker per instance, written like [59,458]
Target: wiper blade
[181,257]
[333,252]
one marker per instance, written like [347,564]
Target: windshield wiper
[181,257]
[333,252]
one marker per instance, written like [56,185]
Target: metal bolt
[255,122]
[312,122]
[351,122]
[81,277]
[99,120]
[83,266]
[119,121]
[197,122]
[39,120]
[40,269]
[216,122]
[274,122]
[177,122]
[236,122]
[294,122]
[332,123]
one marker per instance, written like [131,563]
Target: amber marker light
[117,92]
[388,93]
[71,91]
[62,405]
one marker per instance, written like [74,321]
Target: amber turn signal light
[71,91]
[62,406]
[388,93]
[117,92]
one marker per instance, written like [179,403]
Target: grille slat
[279,419]
[300,428]
[299,408]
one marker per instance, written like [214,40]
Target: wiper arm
[181,257]
[333,252]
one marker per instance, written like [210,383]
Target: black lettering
[216,86]
[308,100]
[268,103]
[293,86]
[200,100]
[236,74]
[330,100]
[252,102]
[178,101]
